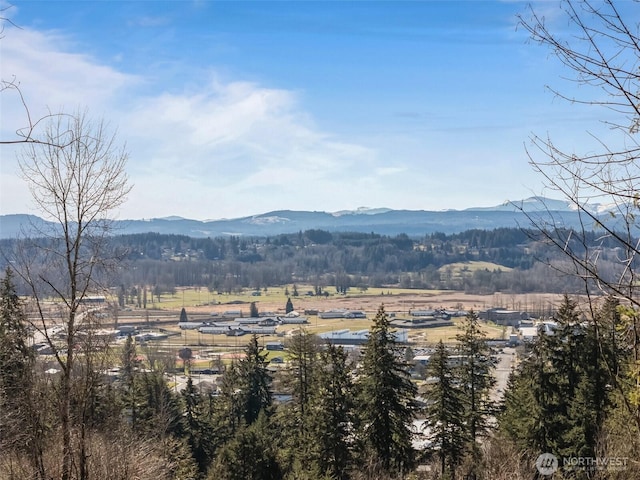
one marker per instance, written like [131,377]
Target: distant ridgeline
[414,223]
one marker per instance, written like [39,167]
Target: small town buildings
[529,334]
[347,337]
[504,317]
[293,320]
[190,325]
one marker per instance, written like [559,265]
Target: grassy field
[273,296]
[461,268]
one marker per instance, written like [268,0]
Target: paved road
[506,362]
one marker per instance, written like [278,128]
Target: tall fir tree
[253,310]
[299,379]
[445,412]
[532,413]
[475,374]
[386,399]
[23,422]
[159,413]
[128,372]
[303,351]
[228,412]
[331,412]
[289,306]
[249,455]
[16,358]
[254,382]
[199,432]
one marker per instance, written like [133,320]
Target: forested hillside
[514,261]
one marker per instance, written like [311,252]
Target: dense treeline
[575,397]
[336,262]
[341,261]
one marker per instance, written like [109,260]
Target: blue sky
[237,108]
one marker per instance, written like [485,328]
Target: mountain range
[510,214]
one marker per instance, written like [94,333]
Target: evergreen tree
[303,352]
[587,386]
[229,411]
[181,465]
[533,388]
[518,418]
[289,306]
[200,434]
[555,402]
[128,370]
[22,419]
[249,455]
[331,413]
[253,310]
[386,400]
[299,379]
[567,352]
[158,408]
[16,358]
[254,382]
[445,411]
[477,361]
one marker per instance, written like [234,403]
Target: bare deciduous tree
[600,48]
[77,177]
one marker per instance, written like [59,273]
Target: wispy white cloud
[52,79]
[241,140]
[209,151]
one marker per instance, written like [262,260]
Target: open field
[458,268]
[200,304]
[396,300]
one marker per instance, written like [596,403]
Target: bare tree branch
[603,55]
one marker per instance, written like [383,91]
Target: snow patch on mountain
[266,220]
[361,211]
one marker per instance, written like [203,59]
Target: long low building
[421,322]
[214,330]
[347,337]
[293,320]
[341,313]
[190,325]
[236,330]
[503,317]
